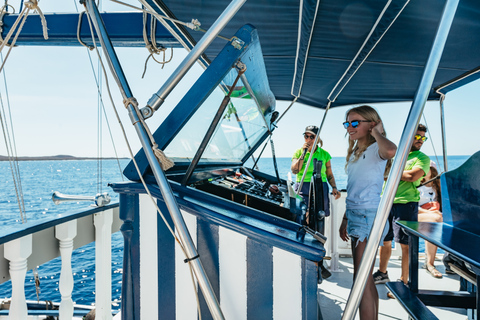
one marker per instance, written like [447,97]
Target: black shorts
[401,211]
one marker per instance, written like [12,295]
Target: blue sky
[53,100]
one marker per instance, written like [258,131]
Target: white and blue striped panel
[251,279]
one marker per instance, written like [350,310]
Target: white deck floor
[335,290]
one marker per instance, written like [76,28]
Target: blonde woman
[368,153]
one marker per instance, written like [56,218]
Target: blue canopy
[343,51]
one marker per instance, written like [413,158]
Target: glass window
[239,129]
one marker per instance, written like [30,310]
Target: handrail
[31,227]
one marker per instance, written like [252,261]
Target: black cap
[312,129]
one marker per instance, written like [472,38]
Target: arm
[298,163]
[412,175]
[343,228]
[386,148]
[331,180]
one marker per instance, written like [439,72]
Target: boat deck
[335,290]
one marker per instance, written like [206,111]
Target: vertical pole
[403,150]
[103,264]
[313,149]
[158,173]
[444,136]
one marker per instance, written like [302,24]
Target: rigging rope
[194,24]
[136,165]
[128,143]
[152,45]
[431,140]
[22,18]
[99,135]
[12,152]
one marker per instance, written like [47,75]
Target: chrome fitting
[237,43]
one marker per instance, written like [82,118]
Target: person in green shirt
[405,207]
[299,162]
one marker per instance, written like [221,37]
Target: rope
[152,45]
[99,136]
[22,18]
[3,11]
[33,5]
[194,24]
[106,117]
[431,140]
[79,26]
[12,154]
[138,169]
[165,162]
[128,143]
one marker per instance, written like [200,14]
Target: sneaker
[380,277]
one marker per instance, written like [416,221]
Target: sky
[54,104]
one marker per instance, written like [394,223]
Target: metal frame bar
[313,149]
[444,136]
[403,150]
[162,181]
[158,98]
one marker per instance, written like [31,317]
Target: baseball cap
[312,130]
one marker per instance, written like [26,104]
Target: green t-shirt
[319,154]
[407,191]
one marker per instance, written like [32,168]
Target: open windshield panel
[242,126]
[243,123]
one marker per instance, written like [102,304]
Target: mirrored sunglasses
[354,123]
[419,137]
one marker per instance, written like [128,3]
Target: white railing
[30,245]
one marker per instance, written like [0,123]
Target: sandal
[434,272]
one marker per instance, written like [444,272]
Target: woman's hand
[336,193]
[343,230]
[377,129]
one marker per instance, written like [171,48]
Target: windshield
[240,127]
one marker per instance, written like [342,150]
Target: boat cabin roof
[342,51]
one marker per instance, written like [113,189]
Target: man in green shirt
[405,207]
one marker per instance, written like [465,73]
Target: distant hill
[57,157]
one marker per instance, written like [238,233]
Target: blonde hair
[369,114]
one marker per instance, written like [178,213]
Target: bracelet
[334,187]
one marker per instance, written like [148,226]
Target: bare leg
[369,303]
[430,249]
[385,252]
[405,271]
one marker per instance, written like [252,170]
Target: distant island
[58,157]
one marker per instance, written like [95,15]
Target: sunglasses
[419,137]
[354,123]
[307,136]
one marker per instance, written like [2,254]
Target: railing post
[17,252]
[65,233]
[103,261]
[128,203]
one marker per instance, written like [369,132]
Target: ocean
[79,177]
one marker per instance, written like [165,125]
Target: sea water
[39,179]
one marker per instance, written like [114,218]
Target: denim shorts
[401,211]
[360,222]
